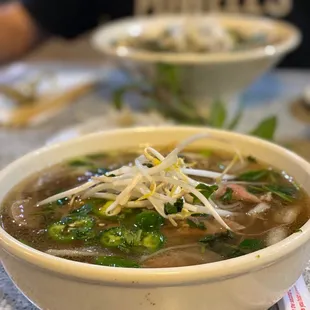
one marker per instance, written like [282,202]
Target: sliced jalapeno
[101,210]
[153,241]
[115,261]
[58,232]
[112,237]
[72,228]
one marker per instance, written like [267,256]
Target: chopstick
[49,103]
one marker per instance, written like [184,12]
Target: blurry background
[293,11]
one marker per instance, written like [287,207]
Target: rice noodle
[260,208]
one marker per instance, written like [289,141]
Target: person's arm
[18,32]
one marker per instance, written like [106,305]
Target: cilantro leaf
[174,208]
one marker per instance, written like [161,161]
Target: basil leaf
[266,129]
[218,114]
[236,120]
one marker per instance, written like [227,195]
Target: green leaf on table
[266,129]
[236,119]
[218,114]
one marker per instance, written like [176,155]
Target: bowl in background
[252,282]
[201,76]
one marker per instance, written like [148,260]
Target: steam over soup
[155,209]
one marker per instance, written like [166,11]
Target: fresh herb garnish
[228,235]
[251,245]
[218,114]
[166,86]
[287,193]
[228,195]
[236,119]
[205,190]
[220,244]
[253,175]
[263,175]
[149,220]
[195,223]
[174,208]
[266,129]
[132,238]
[284,192]
[115,261]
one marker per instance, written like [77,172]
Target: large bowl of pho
[200,55]
[156,218]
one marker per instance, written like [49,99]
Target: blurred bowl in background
[219,73]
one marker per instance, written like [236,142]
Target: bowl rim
[99,42]
[154,276]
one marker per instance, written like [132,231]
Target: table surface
[272,94]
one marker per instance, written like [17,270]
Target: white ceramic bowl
[204,75]
[254,281]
